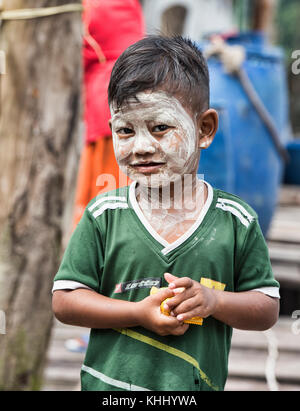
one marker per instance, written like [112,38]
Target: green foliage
[242,13]
[288,37]
[287,22]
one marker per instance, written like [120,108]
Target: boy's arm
[248,310]
[90,309]
[86,307]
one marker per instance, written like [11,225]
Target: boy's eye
[160,128]
[125,131]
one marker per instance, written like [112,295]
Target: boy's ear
[208,125]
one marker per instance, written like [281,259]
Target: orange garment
[98,172]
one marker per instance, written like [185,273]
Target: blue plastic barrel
[243,159]
[292,170]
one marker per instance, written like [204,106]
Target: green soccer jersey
[115,252]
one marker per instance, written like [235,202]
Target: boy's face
[155,139]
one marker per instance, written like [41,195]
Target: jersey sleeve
[254,270]
[82,263]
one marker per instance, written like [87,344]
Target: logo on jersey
[136,284]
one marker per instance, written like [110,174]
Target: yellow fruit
[194,320]
[162,308]
[155,289]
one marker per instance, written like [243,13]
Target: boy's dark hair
[175,65]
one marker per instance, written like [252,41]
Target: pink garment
[113,25]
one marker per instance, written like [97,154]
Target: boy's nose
[143,144]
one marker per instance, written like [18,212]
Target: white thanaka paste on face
[178,148]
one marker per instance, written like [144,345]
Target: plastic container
[292,171]
[243,159]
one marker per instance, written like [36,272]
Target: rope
[233,58]
[24,14]
[263,113]
[91,41]
[270,368]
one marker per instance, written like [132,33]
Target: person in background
[110,27]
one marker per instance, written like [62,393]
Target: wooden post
[263,13]
[39,133]
[172,23]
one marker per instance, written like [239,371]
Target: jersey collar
[168,247]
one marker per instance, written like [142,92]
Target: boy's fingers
[179,298]
[185,282]
[188,305]
[188,315]
[174,301]
[170,277]
[163,294]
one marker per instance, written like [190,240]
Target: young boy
[168,229]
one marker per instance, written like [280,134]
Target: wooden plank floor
[63,367]
[258,361]
[257,358]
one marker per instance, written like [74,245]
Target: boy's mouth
[145,167]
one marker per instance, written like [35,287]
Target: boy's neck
[171,211]
[182,195]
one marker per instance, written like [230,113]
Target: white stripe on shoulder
[271,291]
[111,206]
[103,199]
[112,381]
[222,200]
[233,211]
[68,285]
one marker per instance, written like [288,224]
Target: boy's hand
[150,315]
[195,301]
